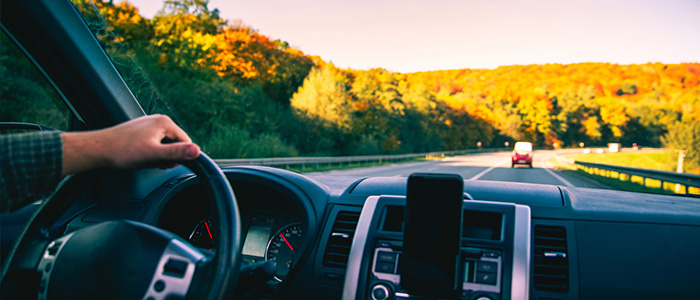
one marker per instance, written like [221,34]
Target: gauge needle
[285,240]
[208,231]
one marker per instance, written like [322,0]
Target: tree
[685,136]
[177,16]
[324,95]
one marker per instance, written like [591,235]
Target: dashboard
[340,237]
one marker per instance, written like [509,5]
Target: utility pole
[681,156]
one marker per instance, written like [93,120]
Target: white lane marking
[555,175]
[477,176]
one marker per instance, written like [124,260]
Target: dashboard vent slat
[340,240]
[551,262]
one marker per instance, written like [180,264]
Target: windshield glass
[429,79]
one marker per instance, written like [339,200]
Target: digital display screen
[482,225]
[257,238]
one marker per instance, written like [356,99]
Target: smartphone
[432,235]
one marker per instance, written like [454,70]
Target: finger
[174,132]
[178,151]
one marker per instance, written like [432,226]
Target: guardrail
[619,172]
[345,160]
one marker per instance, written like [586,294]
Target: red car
[522,154]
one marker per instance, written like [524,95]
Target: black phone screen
[432,234]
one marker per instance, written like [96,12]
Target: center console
[493,262]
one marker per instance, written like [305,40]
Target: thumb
[180,151]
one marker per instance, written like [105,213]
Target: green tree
[685,136]
[324,95]
[177,16]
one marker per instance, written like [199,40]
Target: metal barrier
[684,179]
[340,160]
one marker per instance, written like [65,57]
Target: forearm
[83,151]
[134,144]
[34,163]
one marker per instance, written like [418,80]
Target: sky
[425,35]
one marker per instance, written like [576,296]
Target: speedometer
[203,235]
[282,247]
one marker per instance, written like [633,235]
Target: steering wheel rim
[214,279]
[227,259]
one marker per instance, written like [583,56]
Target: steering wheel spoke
[48,260]
[175,272]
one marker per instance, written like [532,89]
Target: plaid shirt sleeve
[30,167]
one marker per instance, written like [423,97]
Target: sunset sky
[413,35]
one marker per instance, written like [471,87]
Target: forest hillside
[242,94]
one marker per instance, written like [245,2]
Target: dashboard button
[159,286]
[486,266]
[175,268]
[383,244]
[53,248]
[386,256]
[487,278]
[384,267]
[491,254]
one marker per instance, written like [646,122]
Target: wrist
[83,151]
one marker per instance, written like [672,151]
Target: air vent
[551,271]
[340,240]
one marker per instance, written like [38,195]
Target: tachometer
[282,247]
[204,235]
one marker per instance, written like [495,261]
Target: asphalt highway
[483,166]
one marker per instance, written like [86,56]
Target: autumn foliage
[236,89]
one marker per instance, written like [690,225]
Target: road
[483,166]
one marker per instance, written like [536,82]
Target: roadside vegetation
[241,94]
[657,160]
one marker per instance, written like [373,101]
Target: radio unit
[480,272]
[493,259]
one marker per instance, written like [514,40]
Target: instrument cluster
[269,236]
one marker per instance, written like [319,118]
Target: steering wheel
[126,259]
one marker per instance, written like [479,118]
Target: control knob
[381,292]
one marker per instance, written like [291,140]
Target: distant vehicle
[614,147]
[587,150]
[600,150]
[522,154]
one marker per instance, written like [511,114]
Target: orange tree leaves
[345,111]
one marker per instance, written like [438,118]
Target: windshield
[458,81]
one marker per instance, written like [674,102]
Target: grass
[657,160]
